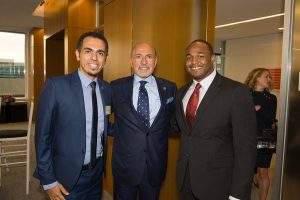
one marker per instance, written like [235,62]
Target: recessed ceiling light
[249,20]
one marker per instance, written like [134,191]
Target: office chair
[6,136]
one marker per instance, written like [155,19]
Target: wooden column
[38,64]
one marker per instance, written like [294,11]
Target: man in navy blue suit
[143,105]
[69,107]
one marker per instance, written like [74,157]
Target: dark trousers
[89,185]
[186,192]
[143,191]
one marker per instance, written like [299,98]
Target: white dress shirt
[205,83]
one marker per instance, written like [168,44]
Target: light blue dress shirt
[87,95]
[153,95]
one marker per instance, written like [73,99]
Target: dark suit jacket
[134,145]
[60,129]
[220,148]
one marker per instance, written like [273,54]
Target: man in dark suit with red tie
[143,105]
[216,119]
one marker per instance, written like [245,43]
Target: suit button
[145,150]
[82,151]
[187,155]
[147,134]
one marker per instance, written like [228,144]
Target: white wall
[244,54]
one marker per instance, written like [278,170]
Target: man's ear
[213,58]
[77,55]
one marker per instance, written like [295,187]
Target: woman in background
[259,81]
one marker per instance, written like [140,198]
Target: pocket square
[169,100]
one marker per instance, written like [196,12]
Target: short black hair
[209,46]
[92,34]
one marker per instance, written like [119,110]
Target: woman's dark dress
[265,117]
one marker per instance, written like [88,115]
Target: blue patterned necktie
[143,105]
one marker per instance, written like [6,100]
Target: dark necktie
[94,125]
[143,104]
[191,107]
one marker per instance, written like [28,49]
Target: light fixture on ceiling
[249,20]
[281,28]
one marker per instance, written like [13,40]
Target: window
[12,64]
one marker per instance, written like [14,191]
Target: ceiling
[229,11]
[16,13]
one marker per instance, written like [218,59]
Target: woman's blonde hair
[251,79]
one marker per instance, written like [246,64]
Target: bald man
[143,105]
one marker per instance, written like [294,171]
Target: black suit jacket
[220,148]
[134,145]
[60,137]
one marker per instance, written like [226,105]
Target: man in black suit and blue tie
[143,105]
[71,126]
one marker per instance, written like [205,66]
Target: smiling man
[71,126]
[143,105]
[216,119]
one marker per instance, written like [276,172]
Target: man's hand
[57,192]
[257,107]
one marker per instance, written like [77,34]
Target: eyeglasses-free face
[92,57]
[199,61]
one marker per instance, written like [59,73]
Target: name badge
[107,110]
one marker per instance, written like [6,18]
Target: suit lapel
[78,94]
[162,91]
[212,91]
[127,91]
[182,114]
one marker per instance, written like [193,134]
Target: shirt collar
[84,80]
[150,80]
[205,83]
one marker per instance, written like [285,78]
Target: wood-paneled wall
[74,17]
[118,30]
[81,18]
[169,25]
[38,64]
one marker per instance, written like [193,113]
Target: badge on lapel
[170,100]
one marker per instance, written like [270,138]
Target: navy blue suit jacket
[60,137]
[135,146]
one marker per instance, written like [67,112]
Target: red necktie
[191,107]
